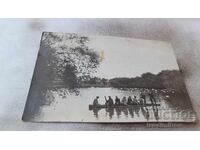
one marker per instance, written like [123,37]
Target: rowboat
[92,107]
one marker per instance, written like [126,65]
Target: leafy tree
[70,57]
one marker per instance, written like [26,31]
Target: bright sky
[127,57]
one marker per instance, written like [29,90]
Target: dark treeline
[87,81]
[166,79]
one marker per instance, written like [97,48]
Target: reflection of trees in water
[179,101]
[40,96]
[63,92]
[47,95]
[180,106]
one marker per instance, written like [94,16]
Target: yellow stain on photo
[102,55]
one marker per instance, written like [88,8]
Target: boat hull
[92,107]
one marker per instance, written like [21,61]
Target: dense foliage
[166,79]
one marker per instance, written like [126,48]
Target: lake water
[64,106]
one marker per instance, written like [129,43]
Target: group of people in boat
[126,101]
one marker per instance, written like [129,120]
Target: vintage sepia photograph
[81,78]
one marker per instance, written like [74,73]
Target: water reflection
[110,112]
[118,112]
[131,112]
[145,112]
[172,106]
[136,111]
[155,111]
[95,111]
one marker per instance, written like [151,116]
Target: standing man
[143,96]
[152,98]
[110,101]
